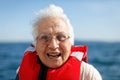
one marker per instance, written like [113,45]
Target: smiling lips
[53,55]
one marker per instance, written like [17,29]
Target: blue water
[104,56]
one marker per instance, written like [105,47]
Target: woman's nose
[53,44]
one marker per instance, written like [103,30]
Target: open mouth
[53,55]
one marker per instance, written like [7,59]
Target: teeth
[54,55]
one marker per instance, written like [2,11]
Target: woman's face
[53,42]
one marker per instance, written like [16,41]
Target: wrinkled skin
[56,53]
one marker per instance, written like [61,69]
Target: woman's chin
[57,65]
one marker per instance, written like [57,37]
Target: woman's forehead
[53,21]
[53,24]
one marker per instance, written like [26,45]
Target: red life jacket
[29,68]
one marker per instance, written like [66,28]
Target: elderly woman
[50,57]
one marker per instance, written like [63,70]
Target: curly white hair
[51,11]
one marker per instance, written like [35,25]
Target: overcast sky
[93,20]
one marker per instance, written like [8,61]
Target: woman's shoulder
[89,72]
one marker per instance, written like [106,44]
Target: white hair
[51,11]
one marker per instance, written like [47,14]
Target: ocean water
[104,56]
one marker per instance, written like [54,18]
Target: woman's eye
[45,37]
[61,37]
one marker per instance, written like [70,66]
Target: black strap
[17,77]
[43,71]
